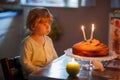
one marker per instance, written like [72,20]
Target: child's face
[42,28]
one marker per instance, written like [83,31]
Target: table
[57,71]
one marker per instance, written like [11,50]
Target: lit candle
[92,31]
[73,68]
[83,31]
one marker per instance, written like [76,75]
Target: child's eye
[40,22]
[44,24]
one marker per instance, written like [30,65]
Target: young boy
[38,50]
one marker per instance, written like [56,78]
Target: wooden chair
[12,69]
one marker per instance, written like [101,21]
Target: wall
[71,19]
[11,37]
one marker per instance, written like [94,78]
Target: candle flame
[82,27]
[93,27]
[73,60]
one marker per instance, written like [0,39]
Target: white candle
[83,31]
[92,31]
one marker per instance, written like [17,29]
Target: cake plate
[112,55]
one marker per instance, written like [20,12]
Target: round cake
[89,48]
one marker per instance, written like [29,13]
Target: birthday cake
[90,48]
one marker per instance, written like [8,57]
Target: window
[52,3]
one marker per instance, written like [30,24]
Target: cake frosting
[88,48]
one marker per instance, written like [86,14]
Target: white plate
[112,55]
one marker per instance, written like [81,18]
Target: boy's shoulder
[26,39]
[47,38]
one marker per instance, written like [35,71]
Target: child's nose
[48,26]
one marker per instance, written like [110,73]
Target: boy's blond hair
[38,15]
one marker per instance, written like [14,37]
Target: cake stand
[112,55]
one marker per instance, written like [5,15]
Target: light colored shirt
[35,56]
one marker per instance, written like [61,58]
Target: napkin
[98,65]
